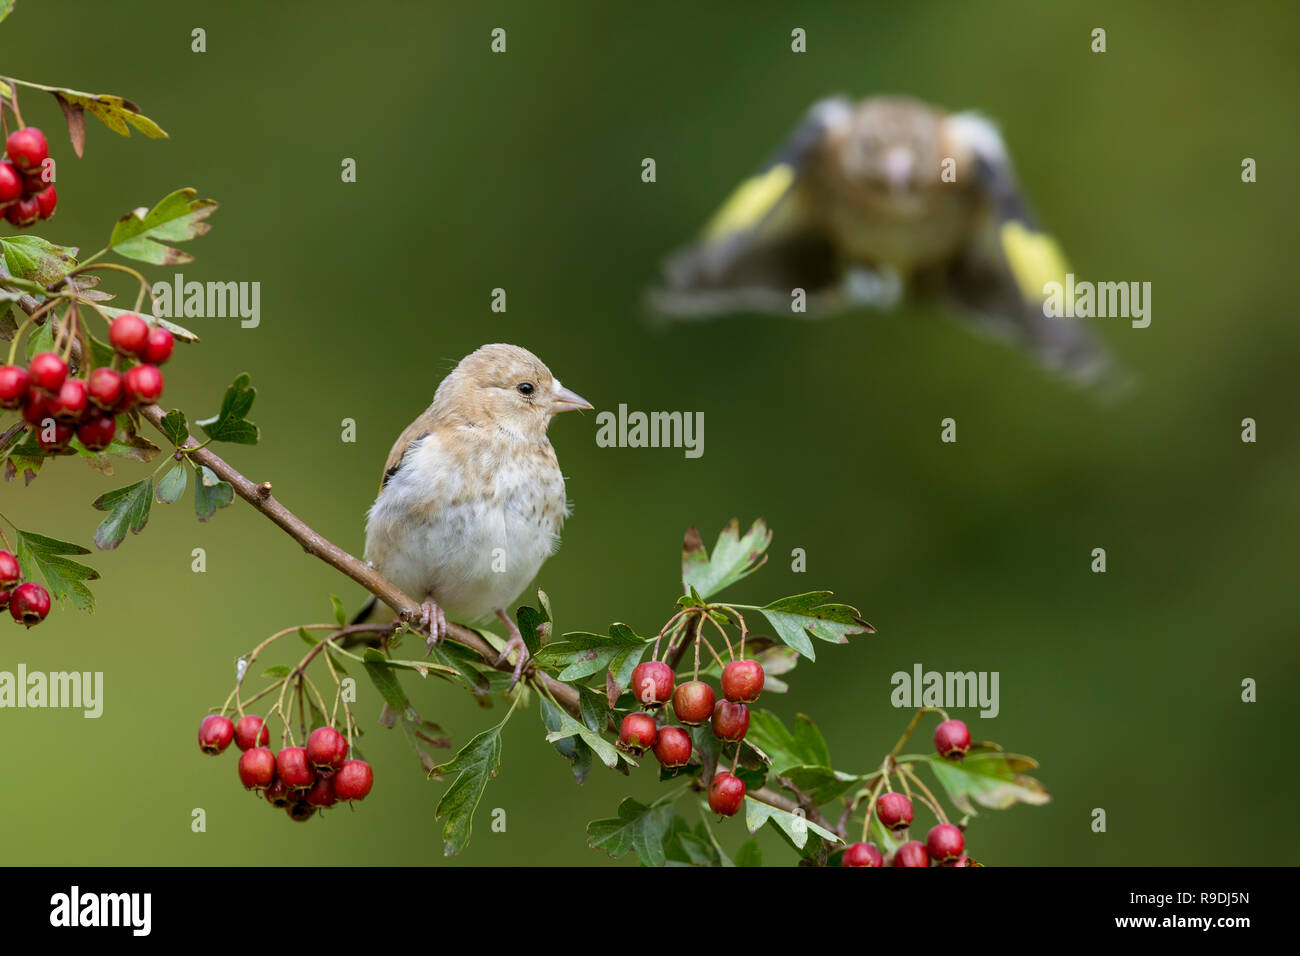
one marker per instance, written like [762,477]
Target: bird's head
[893,148]
[505,386]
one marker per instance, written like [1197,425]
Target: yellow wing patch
[1034,257]
[751,201]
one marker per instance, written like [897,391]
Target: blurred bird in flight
[472,497]
[869,202]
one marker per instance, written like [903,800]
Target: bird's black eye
[525,388]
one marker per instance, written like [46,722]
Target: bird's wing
[758,245]
[998,278]
[420,428]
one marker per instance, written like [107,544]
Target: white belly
[471,551]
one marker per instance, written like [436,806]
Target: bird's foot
[515,643]
[434,623]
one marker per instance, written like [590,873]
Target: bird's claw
[516,643]
[434,623]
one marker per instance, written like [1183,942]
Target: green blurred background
[523,171]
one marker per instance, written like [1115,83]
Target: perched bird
[472,497]
[868,202]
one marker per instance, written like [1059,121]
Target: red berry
[300,811]
[46,200]
[144,383]
[278,795]
[862,854]
[70,403]
[321,793]
[894,810]
[742,681]
[128,333]
[11,183]
[693,703]
[10,572]
[104,388]
[292,767]
[673,747]
[353,780]
[34,181]
[24,211]
[326,748]
[911,853]
[36,409]
[4,598]
[652,683]
[952,739]
[55,437]
[29,603]
[96,432]
[158,347]
[726,794]
[256,768]
[945,843]
[215,734]
[48,372]
[637,733]
[13,385]
[251,732]
[730,720]
[27,148]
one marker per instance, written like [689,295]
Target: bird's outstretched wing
[759,244]
[998,278]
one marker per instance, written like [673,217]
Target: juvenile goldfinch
[472,498]
[869,201]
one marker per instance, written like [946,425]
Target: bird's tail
[373,610]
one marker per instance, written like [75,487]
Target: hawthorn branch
[408,610]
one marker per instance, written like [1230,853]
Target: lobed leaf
[64,577]
[142,234]
[734,557]
[128,509]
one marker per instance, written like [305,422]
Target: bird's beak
[898,163]
[567,401]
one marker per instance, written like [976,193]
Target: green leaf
[534,626]
[307,637]
[992,780]
[593,706]
[476,764]
[572,748]
[210,493]
[582,654]
[279,670]
[385,681]
[804,747]
[568,727]
[116,113]
[794,618]
[733,557]
[749,854]
[637,827]
[128,508]
[37,260]
[793,825]
[230,423]
[172,485]
[6,8]
[175,427]
[340,612]
[41,340]
[141,234]
[63,577]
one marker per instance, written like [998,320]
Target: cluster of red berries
[944,845]
[694,704]
[28,603]
[298,780]
[58,406]
[25,196]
